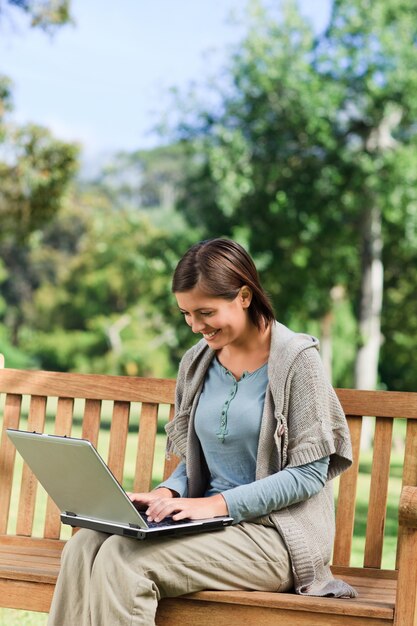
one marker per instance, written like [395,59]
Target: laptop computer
[86,492]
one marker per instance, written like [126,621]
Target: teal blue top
[227,423]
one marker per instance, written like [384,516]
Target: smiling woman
[258,429]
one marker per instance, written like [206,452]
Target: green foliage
[33,179]
[101,299]
[311,136]
[5,100]
[45,14]
[303,138]
[14,357]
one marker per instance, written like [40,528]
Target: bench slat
[63,425]
[118,437]
[345,511]
[89,386]
[91,421]
[28,489]
[148,424]
[378,493]
[7,456]
[383,403]
[410,455]
[293,609]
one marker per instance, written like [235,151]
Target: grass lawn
[23,618]
[10,617]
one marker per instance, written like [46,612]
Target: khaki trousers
[108,580]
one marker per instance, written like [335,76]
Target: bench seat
[29,568]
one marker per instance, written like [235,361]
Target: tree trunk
[337,294]
[370,307]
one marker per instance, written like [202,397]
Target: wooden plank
[361,606]
[27,500]
[26,596]
[363,572]
[137,389]
[410,455]
[91,421]
[146,447]
[88,386]
[189,611]
[175,611]
[30,544]
[118,436]
[63,425]
[383,403]
[406,600]
[171,463]
[345,511]
[410,469]
[36,570]
[7,456]
[91,425]
[378,493]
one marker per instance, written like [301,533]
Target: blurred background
[130,130]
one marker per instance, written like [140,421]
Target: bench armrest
[407,513]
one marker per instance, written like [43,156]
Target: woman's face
[221,322]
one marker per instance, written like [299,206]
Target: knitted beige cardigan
[302,421]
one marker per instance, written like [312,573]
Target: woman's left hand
[187,508]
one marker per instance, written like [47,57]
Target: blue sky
[105,81]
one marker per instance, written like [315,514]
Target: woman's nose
[197,325]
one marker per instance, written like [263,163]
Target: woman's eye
[206,313]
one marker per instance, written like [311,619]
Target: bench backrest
[146,398]
[35,388]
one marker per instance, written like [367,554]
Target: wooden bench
[29,564]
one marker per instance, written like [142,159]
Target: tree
[103,300]
[370,50]
[33,179]
[300,160]
[45,14]
[146,179]
[35,171]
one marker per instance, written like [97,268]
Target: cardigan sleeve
[317,426]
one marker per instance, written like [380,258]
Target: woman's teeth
[210,335]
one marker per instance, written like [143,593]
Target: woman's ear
[245,296]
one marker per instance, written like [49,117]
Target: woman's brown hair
[220,267]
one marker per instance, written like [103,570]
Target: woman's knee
[112,551]
[84,544]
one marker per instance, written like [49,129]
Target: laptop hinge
[134,525]
[70,513]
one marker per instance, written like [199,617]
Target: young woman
[260,434]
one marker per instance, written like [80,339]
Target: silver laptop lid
[62,465]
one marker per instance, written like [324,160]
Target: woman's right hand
[145,499]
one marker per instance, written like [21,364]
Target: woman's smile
[211,334]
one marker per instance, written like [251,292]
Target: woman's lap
[243,556]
